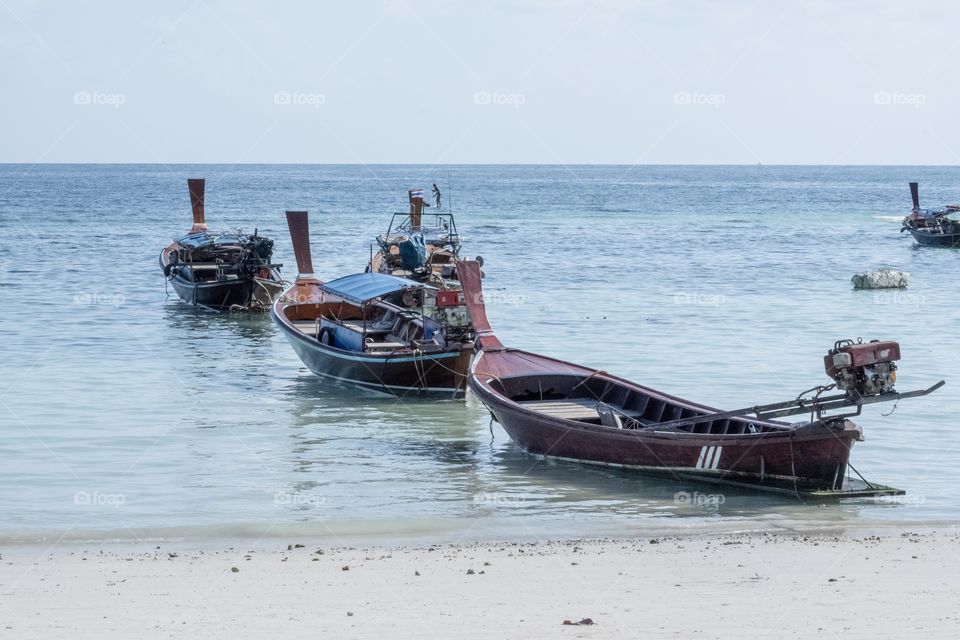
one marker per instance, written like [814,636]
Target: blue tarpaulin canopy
[362,287]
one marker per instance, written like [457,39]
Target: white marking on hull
[709,458]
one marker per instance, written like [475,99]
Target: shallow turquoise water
[125,414]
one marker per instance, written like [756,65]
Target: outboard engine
[863,369]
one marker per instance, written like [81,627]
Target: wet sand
[747,586]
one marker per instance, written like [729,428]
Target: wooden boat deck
[306,327]
[572,409]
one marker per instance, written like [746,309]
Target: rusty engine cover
[862,355]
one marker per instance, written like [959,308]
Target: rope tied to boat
[793,469]
[419,367]
[894,408]
[588,378]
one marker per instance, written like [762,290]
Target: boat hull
[408,375]
[935,239]
[225,294]
[812,457]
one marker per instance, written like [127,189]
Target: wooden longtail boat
[932,227]
[569,412]
[221,271]
[375,330]
[420,246]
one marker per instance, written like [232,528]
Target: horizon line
[481,164]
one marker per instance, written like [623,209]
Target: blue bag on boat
[413,253]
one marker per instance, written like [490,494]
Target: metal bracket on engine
[816,406]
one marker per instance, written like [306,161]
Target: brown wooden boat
[570,412]
[932,227]
[419,246]
[221,271]
[375,330]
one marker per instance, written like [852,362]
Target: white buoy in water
[882,279]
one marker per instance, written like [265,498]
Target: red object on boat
[449,298]
[864,354]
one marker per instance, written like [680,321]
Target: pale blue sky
[509,81]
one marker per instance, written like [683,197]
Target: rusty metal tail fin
[300,236]
[468,271]
[416,207]
[195,186]
[915,194]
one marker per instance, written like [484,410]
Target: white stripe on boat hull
[709,458]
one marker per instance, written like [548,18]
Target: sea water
[128,415]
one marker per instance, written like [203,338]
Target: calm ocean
[125,414]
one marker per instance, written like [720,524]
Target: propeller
[915,194]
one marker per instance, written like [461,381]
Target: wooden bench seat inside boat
[308,327]
[570,409]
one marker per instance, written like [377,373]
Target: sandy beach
[899,584]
